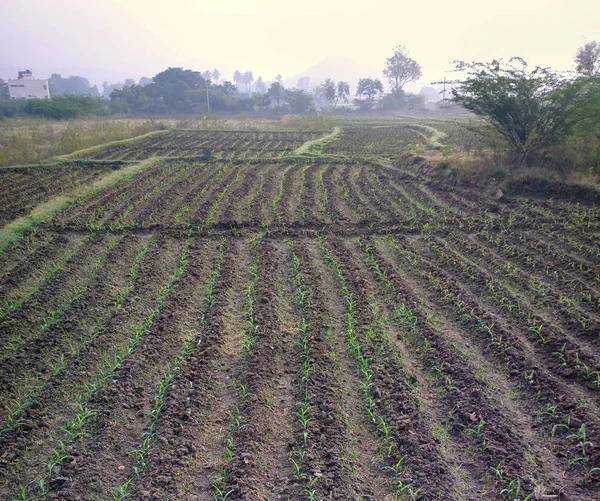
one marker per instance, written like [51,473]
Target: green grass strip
[309,145]
[47,210]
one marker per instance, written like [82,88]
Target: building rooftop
[26,75]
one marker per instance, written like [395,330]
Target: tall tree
[298,100]
[327,91]
[342,92]
[369,89]
[248,78]
[191,79]
[238,77]
[275,91]
[107,89]
[4,95]
[229,89]
[216,75]
[401,69]
[529,108]
[587,59]
[304,83]
[72,85]
[261,88]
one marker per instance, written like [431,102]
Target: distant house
[27,87]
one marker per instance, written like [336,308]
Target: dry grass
[487,171]
[31,140]
[24,141]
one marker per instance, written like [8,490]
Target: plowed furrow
[234,208]
[162,208]
[113,198]
[260,468]
[50,301]
[357,462]
[290,201]
[395,401]
[201,207]
[336,180]
[45,258]
[32,445]
[188,454]
[574,310]
[460,387]
[367,211]
[532,375]
[563,352]
[124,408]
[47,356]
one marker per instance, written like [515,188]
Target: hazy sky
[112,39]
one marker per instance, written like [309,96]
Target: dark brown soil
[157,343]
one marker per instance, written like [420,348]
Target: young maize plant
[377,419]
[304,412]
[14,303]
[189,346]
[40,383]
[108,372]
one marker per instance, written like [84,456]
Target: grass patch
[431,135]
[309,145]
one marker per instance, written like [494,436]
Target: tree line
[531,110]
[183,90]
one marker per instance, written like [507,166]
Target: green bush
[59,107]
[51,109]
[12,109]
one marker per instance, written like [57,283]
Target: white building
[27,87]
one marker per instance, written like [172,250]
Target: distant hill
[337,68]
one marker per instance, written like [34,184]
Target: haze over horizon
[112,40]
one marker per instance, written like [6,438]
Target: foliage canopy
[400,69]
[530,108]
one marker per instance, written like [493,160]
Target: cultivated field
[276,323]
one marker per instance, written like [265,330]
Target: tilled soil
[297,329]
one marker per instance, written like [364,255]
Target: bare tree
[401,69]
[588,59]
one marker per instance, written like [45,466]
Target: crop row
[222,144]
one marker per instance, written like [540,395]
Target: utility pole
[207,98]
[444,97]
